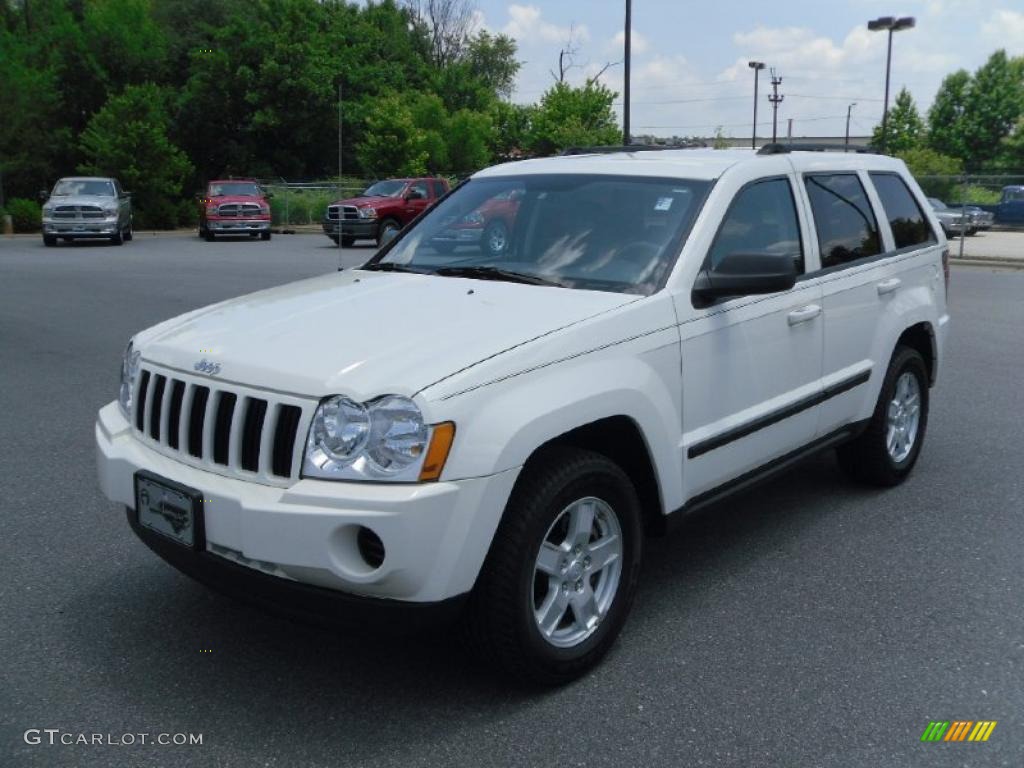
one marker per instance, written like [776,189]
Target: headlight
[211,210]
[368,213]
[384,439]
[110,211]
[129,372]
[474,217]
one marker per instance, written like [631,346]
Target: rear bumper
[295,599]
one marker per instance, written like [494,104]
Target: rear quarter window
[907,220]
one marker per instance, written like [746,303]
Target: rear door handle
[888,286]
[804,314]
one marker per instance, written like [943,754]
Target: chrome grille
[222,428]
[72,212]
[347,212]
[238,209]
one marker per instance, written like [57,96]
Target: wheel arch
[921,337]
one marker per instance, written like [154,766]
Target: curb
[992,262]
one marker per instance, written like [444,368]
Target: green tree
[568,116]
[511,129]
[946,116]
[392,143]
[994,102]
[1011,156]
[128,139]
[904,126]
[469,140]
[935,172]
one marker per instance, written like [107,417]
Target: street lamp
[846,143]
[627,40]
[757,66]
[890,24]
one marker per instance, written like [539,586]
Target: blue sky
[689,59]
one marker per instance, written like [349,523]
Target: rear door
[871,255]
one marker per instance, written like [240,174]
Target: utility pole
[846,142]
[775,99]
[625,85]
[757,66]
[789,131]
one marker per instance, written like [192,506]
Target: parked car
[953,220]
[234,207]
[87,208]
[1010,210]
[381,211]
[489,438]
[980,218]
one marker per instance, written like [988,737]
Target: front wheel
[562,571]
[129,234]
[387,231]
[496,238]
[265,235]
[347,242]
[887,450]
[49,241]
[118,239]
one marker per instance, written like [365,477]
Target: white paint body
[515,366]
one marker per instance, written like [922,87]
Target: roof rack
[607,150]
[781,149]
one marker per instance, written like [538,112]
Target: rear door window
[907,220]
[846,225]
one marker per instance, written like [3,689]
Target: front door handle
[888,286]
[804,314]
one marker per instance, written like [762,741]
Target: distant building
[744,141]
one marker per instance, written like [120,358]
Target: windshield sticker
[663,204]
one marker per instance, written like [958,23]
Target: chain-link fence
[1000,195]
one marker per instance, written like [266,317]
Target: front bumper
[361,229]
[232,226]
[435,535]
[84,228]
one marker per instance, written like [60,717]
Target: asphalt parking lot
[809,623]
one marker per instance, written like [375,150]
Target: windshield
[83,187]
[222,188]
[390,188]
[1012,194]
[606,233]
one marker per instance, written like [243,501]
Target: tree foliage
[904,128]
[568,116]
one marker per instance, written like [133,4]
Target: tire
[129,234]
[501,621]
[49,241]
[387,230]
[208,236]
[347,242]
[496,238]
[117,239]
[877,457]
[265,235]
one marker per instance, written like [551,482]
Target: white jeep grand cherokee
[490,435]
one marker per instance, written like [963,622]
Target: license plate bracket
[170,509]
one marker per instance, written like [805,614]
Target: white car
[490,437]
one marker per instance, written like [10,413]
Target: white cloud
[640,43]
[1006,29]
[526,26]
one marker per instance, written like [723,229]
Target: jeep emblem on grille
[205,366]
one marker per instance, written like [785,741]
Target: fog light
[371,548]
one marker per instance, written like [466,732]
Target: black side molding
[736,433]
[767,471]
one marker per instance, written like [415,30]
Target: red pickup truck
[382,210]
[234,207]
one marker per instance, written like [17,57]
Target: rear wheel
[888,449]
[563,567]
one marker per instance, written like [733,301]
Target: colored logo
[958,730]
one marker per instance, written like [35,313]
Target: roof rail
[607,150]
[780,149]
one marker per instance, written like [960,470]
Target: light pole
[757,66]
[625,86]
[890,24]
[846,142]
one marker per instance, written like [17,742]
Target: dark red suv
[382,210]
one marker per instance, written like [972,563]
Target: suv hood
[366,334]
[221,199]
[100,200]
[367,201]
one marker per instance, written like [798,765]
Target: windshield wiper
[495,273]
[390,266]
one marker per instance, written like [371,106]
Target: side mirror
[745,274]
[268,195]
[44,195]
[415,194]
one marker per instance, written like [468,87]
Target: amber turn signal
[437,453]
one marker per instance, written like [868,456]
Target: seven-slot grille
[348,212]
[219,428]
[238,209]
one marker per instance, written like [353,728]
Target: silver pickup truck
[91,207]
